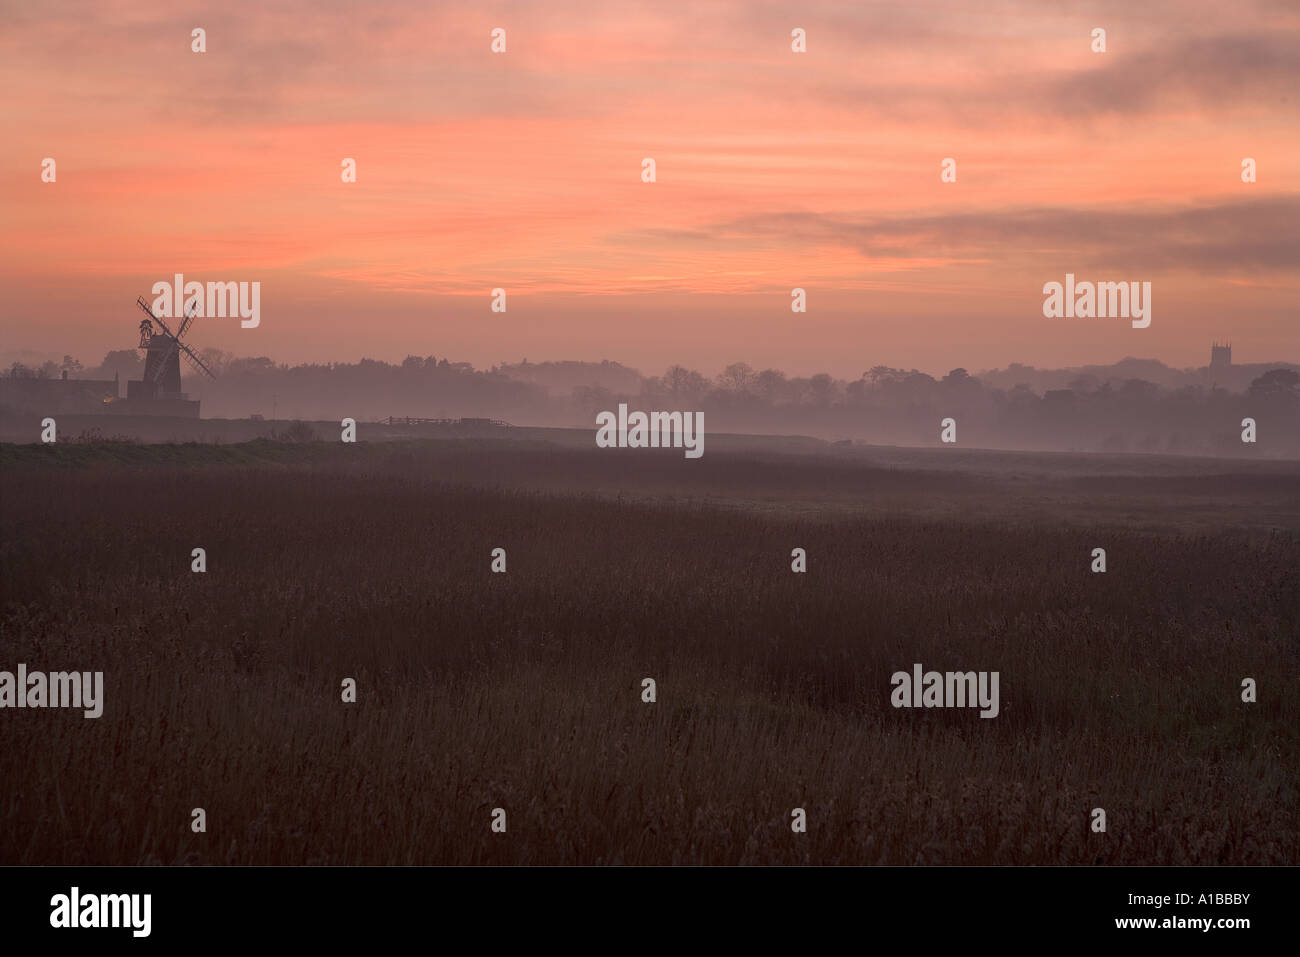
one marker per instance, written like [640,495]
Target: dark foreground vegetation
[522,690]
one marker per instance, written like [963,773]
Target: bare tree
[737,377]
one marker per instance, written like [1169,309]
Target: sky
[774,170]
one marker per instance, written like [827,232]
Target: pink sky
[775,170]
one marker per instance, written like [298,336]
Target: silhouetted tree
[685,384]
[1276,383]
[770,384]
[737,377]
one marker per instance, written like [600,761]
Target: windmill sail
[163,349]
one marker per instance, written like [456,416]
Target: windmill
[163,349]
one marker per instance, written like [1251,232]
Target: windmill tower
[162,360]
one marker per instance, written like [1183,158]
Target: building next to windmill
[62,396]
